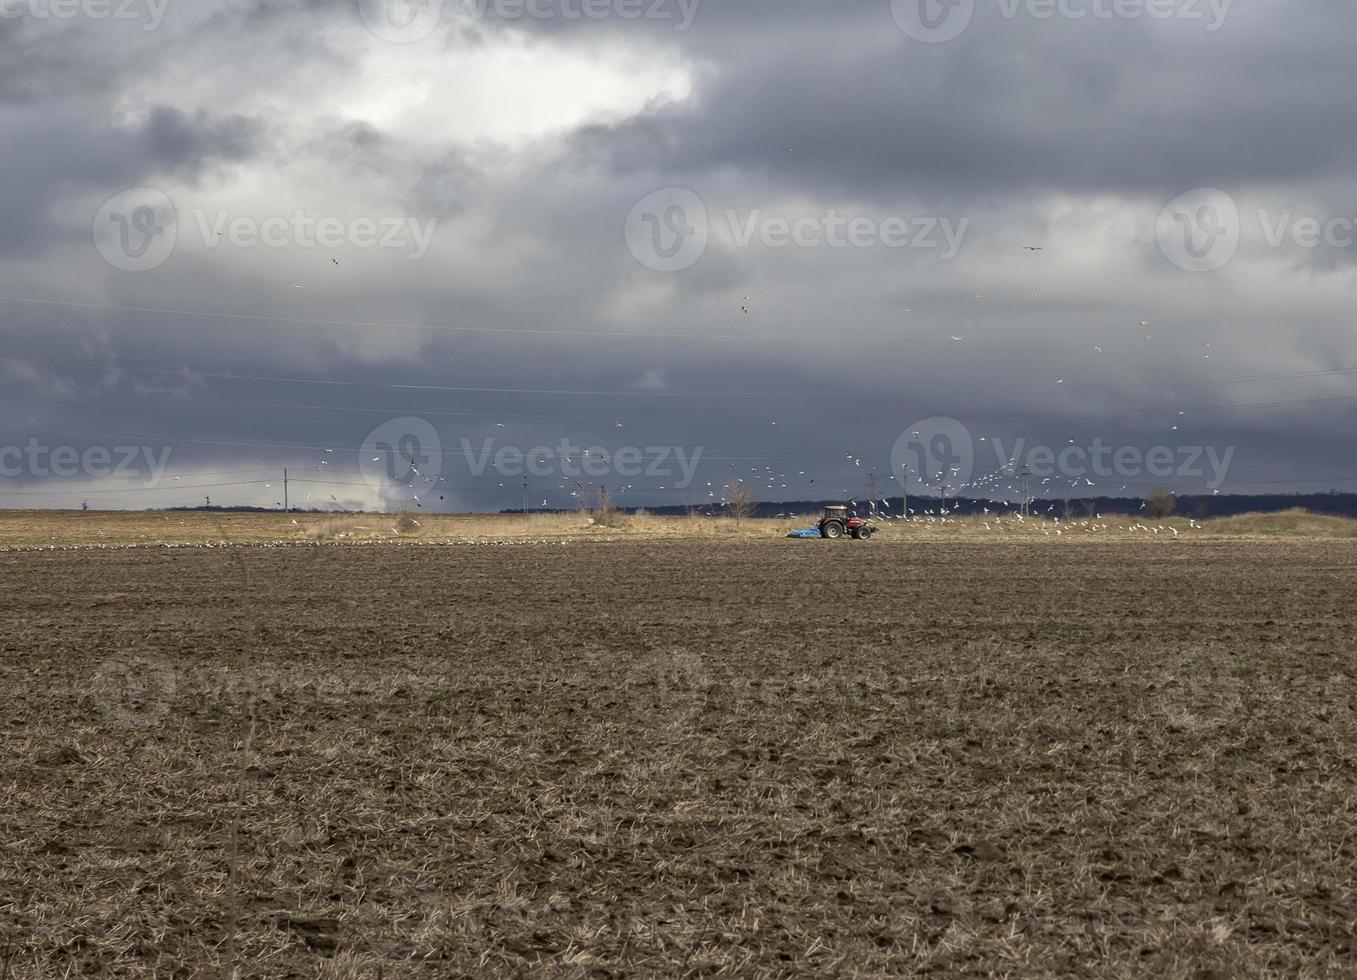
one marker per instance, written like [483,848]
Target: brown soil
[640,757]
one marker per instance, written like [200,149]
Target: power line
[722,455]
[365,384]
[509,331]
[425,387]
[1274,377]
[352,409]
[545,332]
[462,491]
[1175,411]
[169,486]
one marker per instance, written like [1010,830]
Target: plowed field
[680,758]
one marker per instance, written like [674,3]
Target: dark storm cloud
[1069,135]
[176,141]
[64,150]
[1012,106]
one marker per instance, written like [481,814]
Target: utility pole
[904,490]
[285,506]
[871,489]
[1025,507]
[209,501]
[942,489]
[525,498]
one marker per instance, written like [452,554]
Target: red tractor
[839,520]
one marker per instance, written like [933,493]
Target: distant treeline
[1188,505]
[217,509]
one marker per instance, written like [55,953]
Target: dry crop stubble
[1201,687]
[897,759]
[667,688]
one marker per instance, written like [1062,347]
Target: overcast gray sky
[779,241]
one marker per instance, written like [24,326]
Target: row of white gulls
[1017,521]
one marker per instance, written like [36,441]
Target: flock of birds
[995,522]
[1001,483]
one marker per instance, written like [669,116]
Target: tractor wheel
[857,534]
[831,529]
